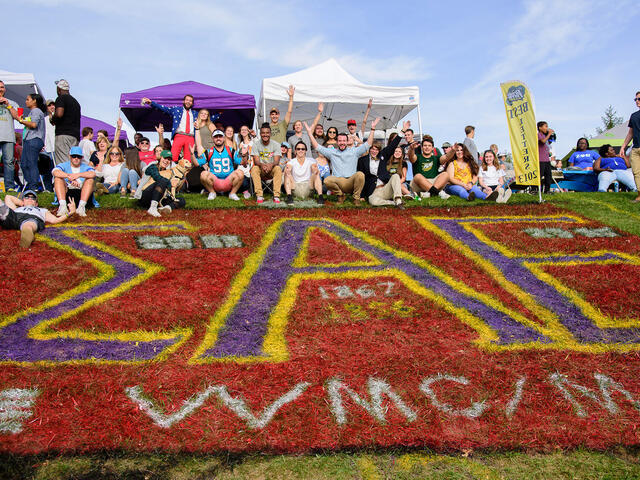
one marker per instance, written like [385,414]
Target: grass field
[611,209]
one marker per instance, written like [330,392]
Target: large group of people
[205,156]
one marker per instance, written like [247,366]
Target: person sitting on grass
[155,193]
[301,176]
[266,155]
[74,180]
[344,176]
[216,167]
[611,167]
[491,177]
[109,171]
[26,216]
[463,175]
[582,158]
[426,166]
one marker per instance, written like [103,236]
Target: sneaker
[505,196]
[164,210]
[400,205]
[289,200]
[276,200]
[358,202]
[153,212]
[471,197]
[4,211]
[341,199]
[425,194]
[246,195]
[95,203]
[493,196]
[443,195]
[55,202]
[62,210]
[212,196]
[123,193]
[234,197]
[26,237]
[81,211]
[259,200]
[320,200]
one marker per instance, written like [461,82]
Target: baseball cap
[62,84]
[285,144]
[166,154]
[351,122]
[76,151]
[50,101]
[274,109]
[217,132]
[31,194]
[446,145]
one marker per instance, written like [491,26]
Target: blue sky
[576,57]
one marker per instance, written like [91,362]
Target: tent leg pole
[264,111]
[419,122]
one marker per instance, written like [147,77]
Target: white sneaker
[443,195]
[425,194]
[62,210]
[246,195]
[80,211]
[212,196]
[165,210]
[234,197]
[153,212]
[506,195]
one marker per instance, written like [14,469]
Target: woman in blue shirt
[610,168]
[33,139]
[583,158]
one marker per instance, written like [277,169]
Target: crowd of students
[205,156]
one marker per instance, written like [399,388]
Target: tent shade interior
[100,125]
[236,109]
[344,97]
[19,85]
[614,137]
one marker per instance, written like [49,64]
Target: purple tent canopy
[100,125]
[234,108]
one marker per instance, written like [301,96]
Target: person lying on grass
[463,175]
[26,216]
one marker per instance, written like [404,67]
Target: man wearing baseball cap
[7,138]
[66,119]
[73,181]
[279,128]
[26,216]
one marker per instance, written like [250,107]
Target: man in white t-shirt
[86,144]
[301,176]
[26,216]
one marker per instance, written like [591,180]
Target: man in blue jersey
[215,167]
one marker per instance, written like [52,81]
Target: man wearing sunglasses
[634,133]
[73,180]
[26,216]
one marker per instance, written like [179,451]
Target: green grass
[577,464]
[614,209]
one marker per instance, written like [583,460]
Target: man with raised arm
[279,127]
[219,175]
[344,176]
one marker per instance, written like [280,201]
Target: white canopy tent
[344,97]
[19,85]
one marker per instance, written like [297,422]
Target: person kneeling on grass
[156,191]
[26,216]
[301,175]
[491,177]
[74,180]
[463,175]
[610,168]
[215,167]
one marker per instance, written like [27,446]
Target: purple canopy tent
[235,109]
[100,125]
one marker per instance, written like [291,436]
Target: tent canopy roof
[236,108]
[19,85]
[100,125]
[344,97]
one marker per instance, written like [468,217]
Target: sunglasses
[114,153]
[301,149]
[144,143]
[637,99]
[76,156]
[31,197]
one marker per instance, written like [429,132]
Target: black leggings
[154,192]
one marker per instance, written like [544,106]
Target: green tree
[610,119]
